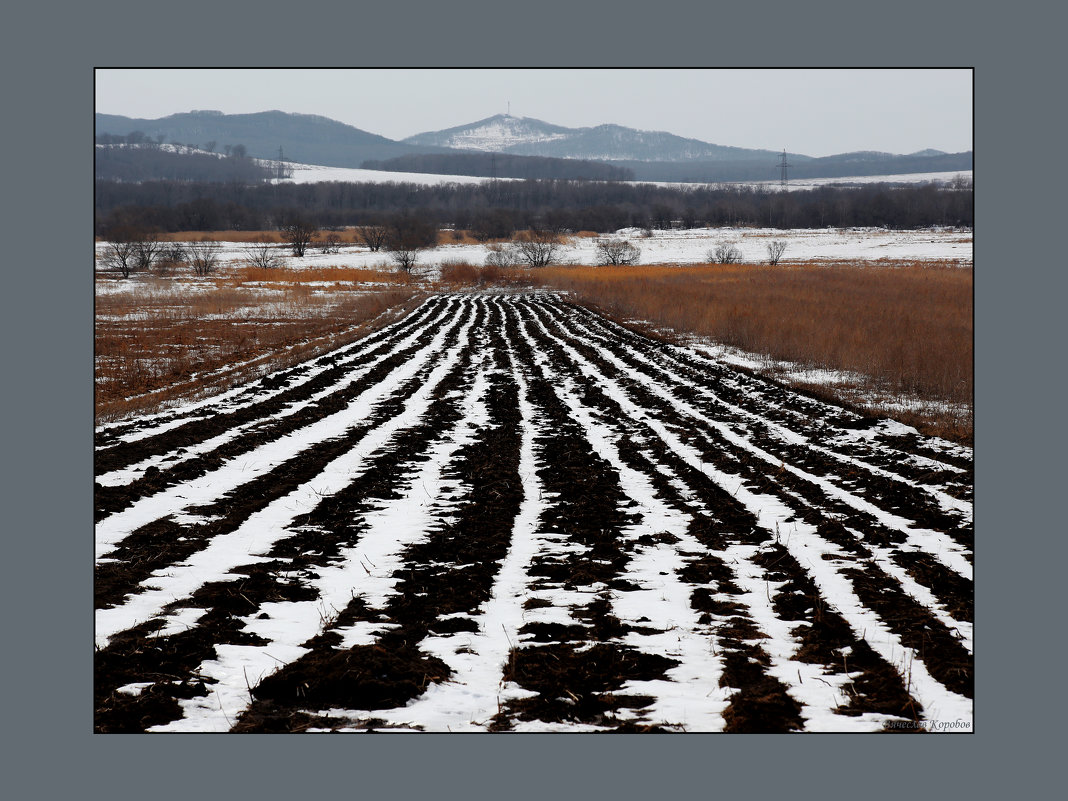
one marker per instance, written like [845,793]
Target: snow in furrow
[882,555]
[883,558]
[810,550]
[366,570]
[166,461]
[938,544]
[781,432]
[244,468]
[870,435]
[692,697]
[231,400]
[818,692]
[262,529]
[475,692]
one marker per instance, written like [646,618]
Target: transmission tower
[782,179]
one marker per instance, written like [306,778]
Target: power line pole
[783,183]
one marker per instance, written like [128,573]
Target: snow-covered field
[311,173]
[504,512]
[684,246]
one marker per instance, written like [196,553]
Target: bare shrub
[204,256]
[374,236]
[119,256]
[148,249]
[537,247]
[775,250]
[299,234]
[502,255]
[264,255]
[617,251]
[175,252]
[725,253]
[405,258]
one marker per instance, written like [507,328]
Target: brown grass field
[906,328]
[169,340]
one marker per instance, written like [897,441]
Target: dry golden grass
[457,273]
[162,340]
[907,328]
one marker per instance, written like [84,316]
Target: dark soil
[577,667]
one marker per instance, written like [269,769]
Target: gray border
[48,646]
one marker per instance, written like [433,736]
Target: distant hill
[304,138]
[504,133]
[661,156]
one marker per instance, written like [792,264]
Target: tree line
[138,164]
[498,208]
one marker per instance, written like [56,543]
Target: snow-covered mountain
[495,134]
[526,136]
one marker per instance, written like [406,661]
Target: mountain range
[650,155]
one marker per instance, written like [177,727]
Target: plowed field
[508,513]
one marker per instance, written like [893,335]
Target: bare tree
[119,256]
[775,250]
[171,254]
[406,236]
[204,256]
[299,234]
[537,247]
[725,253]
[148,249]
[617,251]
[264,255]
[374,236]
[405,258]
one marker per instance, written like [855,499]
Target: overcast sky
[814,112]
